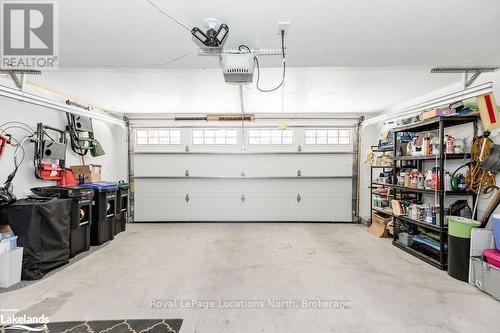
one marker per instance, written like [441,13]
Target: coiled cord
[480,180]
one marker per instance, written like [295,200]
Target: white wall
[113,139]
[495,134]
[369,137]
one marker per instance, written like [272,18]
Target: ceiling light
[215,35]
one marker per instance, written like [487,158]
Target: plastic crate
[11,267]
[486,277]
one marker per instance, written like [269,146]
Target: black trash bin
[81,213]
[122,208]
[43,230]
[103,212]
[459,234]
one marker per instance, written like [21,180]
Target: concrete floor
[388,290]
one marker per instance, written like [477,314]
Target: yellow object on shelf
[488,111]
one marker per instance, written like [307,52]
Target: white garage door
[229,173]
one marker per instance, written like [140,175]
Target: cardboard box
[4,228]
[379,226]
[437,113]
[91,173]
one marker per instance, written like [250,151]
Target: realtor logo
[29,35]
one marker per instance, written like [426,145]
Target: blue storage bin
[101,186]
[5,235]
[496,230]
[8,244]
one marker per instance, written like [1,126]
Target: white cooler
[10,267]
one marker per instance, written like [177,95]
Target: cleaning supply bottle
[462,184]
[435,178]
[447,181]
[426,146]
[428,180]
[450,144]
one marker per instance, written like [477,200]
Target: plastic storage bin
[496,230]
[8,244]
[492,257]
[405,238]
[11,266]
[459,233]
[486,277]
[103,212]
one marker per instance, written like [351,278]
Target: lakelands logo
[30,35]
[11,319]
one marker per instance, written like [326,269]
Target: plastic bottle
[420,180]
[462,184]
[414,180]
[450,144]
[428,214]
[435,180]
[428,180]
[447,181]
[426,146]
[407,179]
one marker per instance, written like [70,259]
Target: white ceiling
[322,33]
[345,90]
[344,55]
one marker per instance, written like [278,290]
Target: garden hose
[480,180]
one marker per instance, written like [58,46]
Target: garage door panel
[232,165]
[263,200]
[258,183]
[326,200]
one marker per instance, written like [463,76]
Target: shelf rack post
[442,233]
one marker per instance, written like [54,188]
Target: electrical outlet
[284,25]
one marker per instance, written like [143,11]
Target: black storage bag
[43,230]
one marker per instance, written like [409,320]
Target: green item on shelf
[123,185]
[460,226]
[429,235]
[96,149]
[471,105]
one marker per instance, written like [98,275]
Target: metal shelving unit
[423,190]
[375,185]
[432,157]
[376,149]
[439,124]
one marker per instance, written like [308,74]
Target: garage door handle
[187,197]
[299,198]
[299,148]
[186,173]
[299,173]
[243,198]
[186,149]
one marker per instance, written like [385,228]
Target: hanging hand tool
[50,154]
[81,134]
